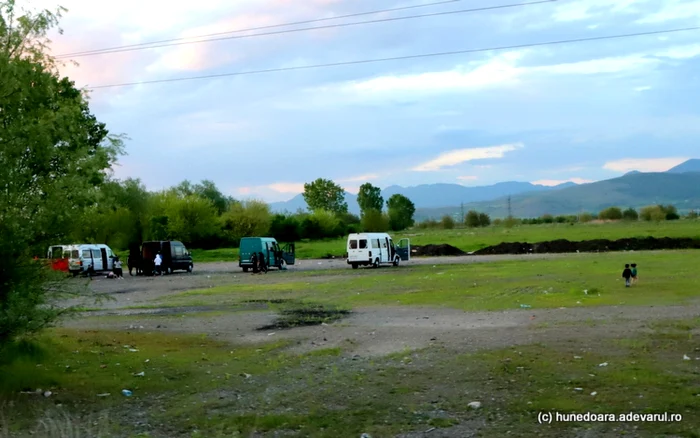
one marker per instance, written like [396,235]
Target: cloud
[556,182]
[287,187]
[644,164]
[468,178]
[459,156]
[643,88]
[672,10]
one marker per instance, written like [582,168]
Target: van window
[87,254]
[179,251]
[375,243]
[363,244]
[383,243]
[353,244]
[75,254]
[56,252]
[96,254]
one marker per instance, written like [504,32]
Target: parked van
[375,249]
[80,257]
[273,253]
[174,254]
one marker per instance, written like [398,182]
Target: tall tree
[401,211]
[324,194]
[370,198]
[53,153]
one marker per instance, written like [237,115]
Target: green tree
[324,194]
[692,214]
[630,214]
[447,222]
[54,154]
[193,220]
[401,211]
[370,198]
[611,214]
[208,190]
[374,221]
[484,220]
[471,219]
[652,213]
[246,219]
[285,228]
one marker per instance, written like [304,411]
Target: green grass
[667,277]
[194,386]
[474,239]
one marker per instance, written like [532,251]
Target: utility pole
[462,210]
[510,209]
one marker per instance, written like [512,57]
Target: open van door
[403,249]
[289,254]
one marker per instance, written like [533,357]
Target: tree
[374,221]
[370,198]
[692,214]
[246,219]
[471,219]
[611,213]
[447,222]
[484,220]
[652,213]
[401,211]
[630,214]
[54,156]
[324,194]
[285,228]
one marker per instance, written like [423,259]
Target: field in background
[468,239]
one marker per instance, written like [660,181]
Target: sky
[578,112]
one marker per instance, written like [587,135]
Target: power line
[272,26]
[147,46]
[397,58]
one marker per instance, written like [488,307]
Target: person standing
[634,273]
[158,261]
[627,275]
[118,268]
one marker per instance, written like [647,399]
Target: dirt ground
[367,331]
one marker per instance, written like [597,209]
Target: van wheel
[190,268]
[397,261]
[245,269]
[354,266]
[376,263]
[169,270]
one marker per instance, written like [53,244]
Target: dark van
[175,256]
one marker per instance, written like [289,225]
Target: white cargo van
[375,249]
[82,256]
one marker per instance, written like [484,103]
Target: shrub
[447,222]
[653,213]
[692,214]
[611,213]
[630,214]
[375,221]
[547,219]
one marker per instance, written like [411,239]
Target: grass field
[196,387]
[667,277]
[474,239]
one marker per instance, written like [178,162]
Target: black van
[175,256]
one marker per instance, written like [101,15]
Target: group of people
[630,274]
[259,263]
[116,272]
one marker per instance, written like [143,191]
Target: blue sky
[574,112]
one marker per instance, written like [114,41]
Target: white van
[82,256]
[375,249]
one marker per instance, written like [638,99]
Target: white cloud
[459,156]
[556,182]
[468,178]
[643,88]
[644,164]
[672,10]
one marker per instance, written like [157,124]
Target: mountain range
[679,186]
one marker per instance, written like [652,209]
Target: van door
[105,260]
[289,254]
[404,249]
[97,259]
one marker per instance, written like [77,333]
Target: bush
[246,219]
[692,214]
[547,219]
[374,221]
[474,219]
[484,220]
[630,215]
[585,217]
[611,213]
[498,222]
[653,213]
[428,223]
[285,228]
[447,222]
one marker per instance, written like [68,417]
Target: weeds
[306,315]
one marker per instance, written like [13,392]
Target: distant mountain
[631,190]
[688,166]
[433,195]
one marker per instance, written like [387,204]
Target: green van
[273,254]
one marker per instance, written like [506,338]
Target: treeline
[653,213]
[201,216]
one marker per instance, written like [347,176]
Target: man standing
[158,261]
